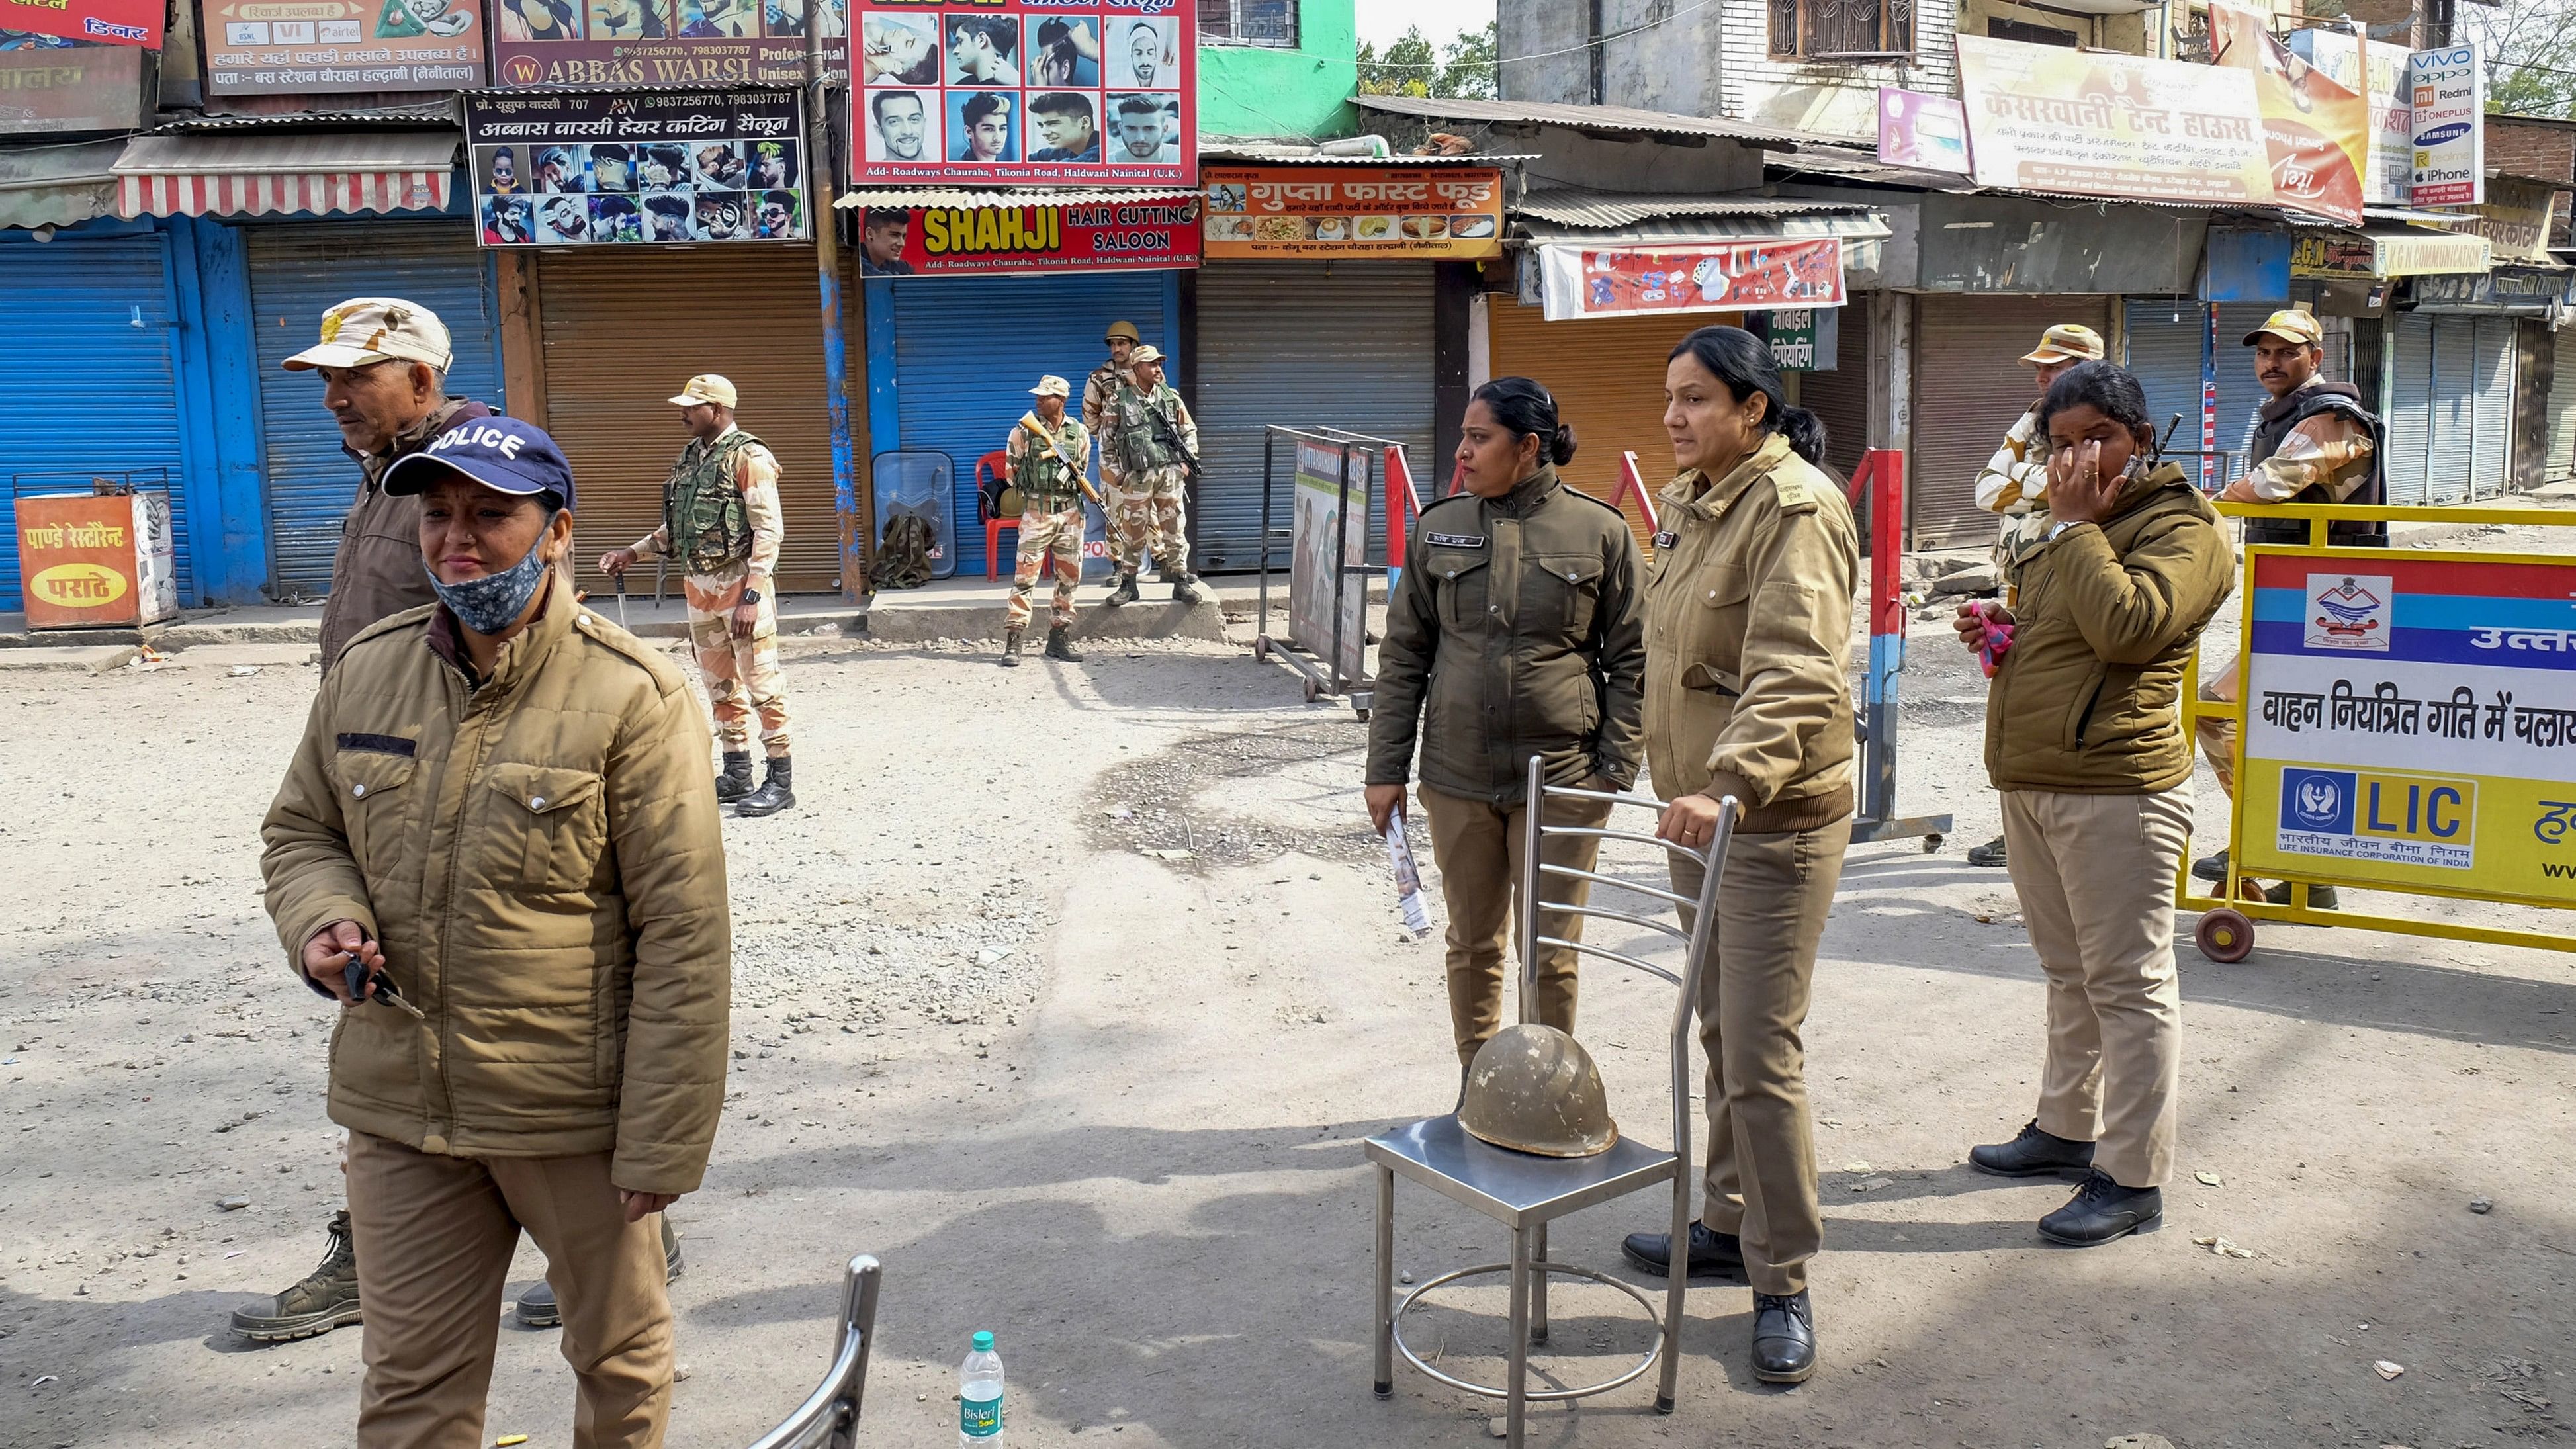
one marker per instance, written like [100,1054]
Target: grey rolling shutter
[2410,408]
[1969,385]
[88,379]
[295,273]
[1343,344]
[1839,396]
[2561,460]
[2454,411]
[2491,365]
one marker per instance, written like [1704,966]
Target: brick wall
[2535,148]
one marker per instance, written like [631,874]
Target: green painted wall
[1253,90]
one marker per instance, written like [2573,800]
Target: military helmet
[1535,1089]
[1123,329]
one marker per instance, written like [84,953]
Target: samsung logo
[2440,134]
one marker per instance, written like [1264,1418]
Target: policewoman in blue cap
[498,849]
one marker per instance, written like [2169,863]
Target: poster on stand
[1580,281]
[2450,127]
[933,241]
[1015,92]
[1927,132]
[590,168]
[2411,721]
[2096,123]
[1329,532]
[107,22]
[325,46]
[2317,129]
[49,84]
[1451,213]
[661,42]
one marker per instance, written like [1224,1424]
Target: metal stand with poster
[1328,549]
[2406,722]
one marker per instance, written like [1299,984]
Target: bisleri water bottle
[979,1397]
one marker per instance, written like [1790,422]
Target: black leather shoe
[1712,1254]
[2211,868]
[734,781]
[1784,1338]
[2320,897]
[2100,1211]
[537,1306]
[2034,1154]
[1991,854]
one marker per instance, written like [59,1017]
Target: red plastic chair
[995,464]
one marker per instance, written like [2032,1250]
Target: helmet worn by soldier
[1535,1089]
[1123,329]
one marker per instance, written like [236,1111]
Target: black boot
[537,1306]
[1011,648]
[1991,854]
[2102,1210]
[775,793]
[2034,1153]
[734,781]
[326,1299]
[1712,1254]
[1185,590]
[1125,593]
[1061,647]
[1784,1337]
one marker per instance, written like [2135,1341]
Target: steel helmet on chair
[1535,1089]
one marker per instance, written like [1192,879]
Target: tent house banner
[2317,129]
[1450,213]
[1579,281]
[108,22]
[342,45]
[573,168]
[2093,123]
[659,42]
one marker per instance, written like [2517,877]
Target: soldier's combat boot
[1125,593]
[1185,589]
[775,793]
[325,1300]
[537,1306]
[735,780]
[1061,647]
[1011,648]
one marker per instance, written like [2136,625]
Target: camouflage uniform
[1099,391]
[1049,480]
[742,674]
[1154,477]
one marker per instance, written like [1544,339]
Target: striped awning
[257,175]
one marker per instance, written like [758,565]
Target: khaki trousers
[2095,875]
[434,1238]
[1753,993]
[1478,847]
[2217,733]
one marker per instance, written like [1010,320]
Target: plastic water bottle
[979,1397]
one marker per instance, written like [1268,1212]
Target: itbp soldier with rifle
[1049,451]
[1155,441]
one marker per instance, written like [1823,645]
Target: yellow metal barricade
[2405,721]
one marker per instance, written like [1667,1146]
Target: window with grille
[1842,29]
[1249,22]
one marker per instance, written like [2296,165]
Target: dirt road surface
[1071,993]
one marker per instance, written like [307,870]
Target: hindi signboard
[54,85]
[1581,281]
[591,168]
[1329,531]
[935,241]
[107,22]
[1452,213]
[2380,74]
[322,46]
[2411,721]
[1924,131]
[2450,127]
[1015,92]
[2514,219]
[660,42]
[2095,123]
[2316,129]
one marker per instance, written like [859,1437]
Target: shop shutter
[624,328]
[1969,385]
[2561,461]
[2535,375]
[2410,408]
[967,350]
[1306,345]
[2164,354]
[2240,394]
[1839,396]
[2454,417]
[2490,360]
[88,377]
[1607,374]
[296,272]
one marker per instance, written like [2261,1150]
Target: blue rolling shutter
[296,272]
[88,377]
[2164,353]
[967,350]
[2240,396]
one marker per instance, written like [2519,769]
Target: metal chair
[829,1417]
[1526,1192]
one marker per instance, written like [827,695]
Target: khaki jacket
[1518,629]
[376,572]
[2086,700]
[540,860]
[1748,639]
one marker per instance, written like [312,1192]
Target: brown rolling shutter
[624,329]
[1840,397]
[1969,385]
[1608,377]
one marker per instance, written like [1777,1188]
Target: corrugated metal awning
[1264,156]
[58,185]
[1577,207]
[971,200]
[258,174]
[1856,225]
[1618,119]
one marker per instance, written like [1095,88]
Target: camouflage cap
[367,330]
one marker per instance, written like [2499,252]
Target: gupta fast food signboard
[1452,213]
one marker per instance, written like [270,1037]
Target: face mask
[494,602]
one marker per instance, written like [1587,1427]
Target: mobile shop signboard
[1020,91]
[1329,530]
[1452,213]
[660,42]
[2092,123]
[47,84]
[2411,721]
[109,22]
[572,168]
[342,45]
[952,241]
[1579,281]
[2450,127]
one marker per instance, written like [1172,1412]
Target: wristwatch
[751,596]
